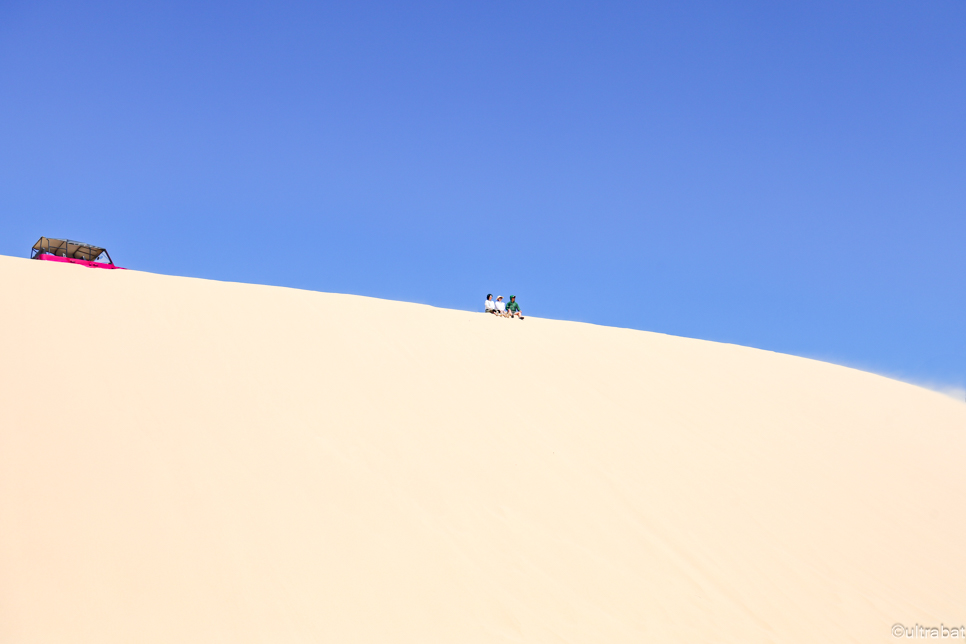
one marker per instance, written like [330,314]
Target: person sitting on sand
[489,306]
[500,306]
[513,309]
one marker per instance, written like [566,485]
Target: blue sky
[789,176]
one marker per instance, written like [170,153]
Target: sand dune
[192,461]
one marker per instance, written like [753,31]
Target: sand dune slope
[192,461]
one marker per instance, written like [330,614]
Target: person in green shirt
[513,308]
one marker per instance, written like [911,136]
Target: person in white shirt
[500,306]
[489,306]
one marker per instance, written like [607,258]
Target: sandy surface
[192,461]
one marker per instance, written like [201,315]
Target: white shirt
[500,306]
[489,305]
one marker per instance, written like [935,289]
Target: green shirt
[513,307]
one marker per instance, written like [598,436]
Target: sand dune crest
[192,461]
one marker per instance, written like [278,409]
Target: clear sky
[789,176]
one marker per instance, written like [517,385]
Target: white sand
[192,461]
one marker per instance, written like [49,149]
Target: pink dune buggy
[72,252]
